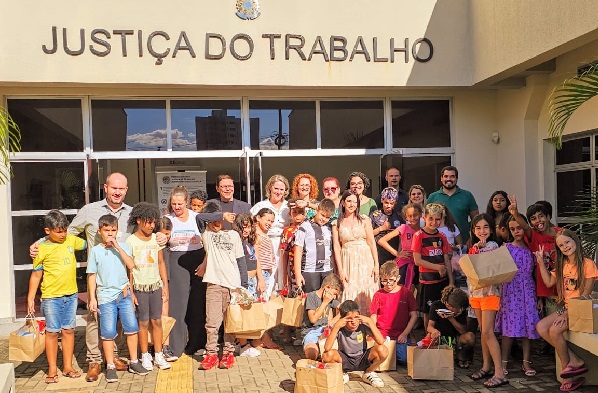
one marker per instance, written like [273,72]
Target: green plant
[585,210]
[10,142]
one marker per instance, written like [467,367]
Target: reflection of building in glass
[218,131]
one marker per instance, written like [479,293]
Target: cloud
[156,140]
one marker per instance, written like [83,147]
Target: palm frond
[10,142]
[566,98]
[585,210]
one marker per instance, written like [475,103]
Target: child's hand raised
[328,296]
[513,206]
[110,241]
[365,320]
[540,254]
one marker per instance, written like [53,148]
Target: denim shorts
[401,351]
[252,283]
[60,312]
[121,308]
[313,336]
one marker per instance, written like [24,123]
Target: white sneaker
[147,361]
[345,377]
[373,379]
[161,362]
[249,352]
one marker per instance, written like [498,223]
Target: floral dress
[358,264]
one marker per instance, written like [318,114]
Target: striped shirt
[87,218]
[316,242]
[265,252]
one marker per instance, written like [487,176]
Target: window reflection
[576,150]
[282,125]
[47,185]
[568,186]
[48,125]
[424,123]
[119,125]
[206,125]
[424,171]
[352,124]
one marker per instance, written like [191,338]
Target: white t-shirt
[450,236]
[282,216]
[222,250]
[185,235]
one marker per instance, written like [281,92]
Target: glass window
[568,186]
[352,124]
[47,185]
[128,125]
[206,125]
[49,124]
[424,171]
[282,125]
[423,123]
[576,150]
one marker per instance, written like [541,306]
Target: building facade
[325,88]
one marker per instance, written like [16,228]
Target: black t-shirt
[378,219]
[444,326]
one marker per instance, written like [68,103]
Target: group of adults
[187,292]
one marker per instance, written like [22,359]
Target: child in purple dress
[518,314]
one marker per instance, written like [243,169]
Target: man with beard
[460,202]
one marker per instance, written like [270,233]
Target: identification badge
[360,337]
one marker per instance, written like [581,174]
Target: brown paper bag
[241,319]
[26,348]
[292,313]
[273,309]
[488,268]
[434,363]
[167,325]
[315,380]
[250,335]
[390,364]
[583,315]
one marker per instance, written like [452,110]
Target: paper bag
[167,325]
[250,335]
[273,309]
[241,319]
[488,268]
[315,380]
[583,315]
[434,363]
[26,343]
[390,364]
[292,312]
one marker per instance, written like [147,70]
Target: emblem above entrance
[248,9]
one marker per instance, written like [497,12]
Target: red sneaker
[208,362]
[227,361]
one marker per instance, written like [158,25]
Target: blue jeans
[313,336]
[60,312]
[110,312]
[402,352]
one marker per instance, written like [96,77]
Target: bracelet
[561,310]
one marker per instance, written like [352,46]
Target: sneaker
[168,354]
[161,362]
[227,361]
[111,375]
[208,362]
[137,368]
[147,361]
[200,352]
[249,351]
[373,379]
[345,377]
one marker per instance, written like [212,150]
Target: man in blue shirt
[460,202]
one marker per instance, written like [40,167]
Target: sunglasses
[330,189]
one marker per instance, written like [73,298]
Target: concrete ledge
[7,378]
[585,345]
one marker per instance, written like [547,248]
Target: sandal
[72,374]
[480,374]
[529,371]
[570,371]
[496,382]
[53,379]
[504,367]
[463,363]
[569,386]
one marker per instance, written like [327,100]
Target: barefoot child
[107,272]
[351,332]
[150,281]
[55,267]
[320,309]
[573,276]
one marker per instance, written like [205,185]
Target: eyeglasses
[227,187]
[330,189]
[388,280]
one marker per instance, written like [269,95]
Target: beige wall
[443,22]
[509,36]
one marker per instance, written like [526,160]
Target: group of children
[126,276]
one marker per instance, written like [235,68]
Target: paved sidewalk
[272,372]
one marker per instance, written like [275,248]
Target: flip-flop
[574,385]
[570,372]
[53,379]
[496,382]
[72,374]
[480,374]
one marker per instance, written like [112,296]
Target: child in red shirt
[393,309]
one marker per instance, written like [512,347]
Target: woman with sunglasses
[332,190]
